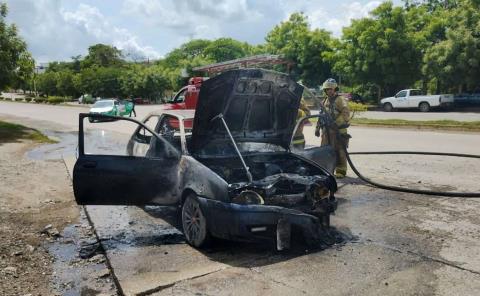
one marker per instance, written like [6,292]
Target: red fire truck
[187,96]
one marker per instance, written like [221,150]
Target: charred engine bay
[281,179]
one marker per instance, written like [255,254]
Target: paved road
[65,114]
[388,243]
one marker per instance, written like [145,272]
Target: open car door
[105,175]
[306,144]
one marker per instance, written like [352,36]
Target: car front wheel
[194,223]
[388,107]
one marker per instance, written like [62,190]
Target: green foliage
[225,49]
[65,84]
[433,124]
[108,82]
[101,55]
[10,132]
[24,72]
[100,82]
[55,100]
[12,49]
[28,99]
[145,82]
[308,50]
[40,100]
[47,83]
[453,64]
[379,50]
[430,44]
[187,51]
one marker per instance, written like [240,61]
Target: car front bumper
[262,222]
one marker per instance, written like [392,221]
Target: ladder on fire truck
[246,62]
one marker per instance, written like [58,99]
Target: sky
[56,30]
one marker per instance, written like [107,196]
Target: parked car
[228,165]
[467,100]
[112,107]
[413,98]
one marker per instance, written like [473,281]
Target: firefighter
[299,139]
[336,135]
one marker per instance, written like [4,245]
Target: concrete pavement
[389,243]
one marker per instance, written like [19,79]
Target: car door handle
[90,165]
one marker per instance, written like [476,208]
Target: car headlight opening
[248,197]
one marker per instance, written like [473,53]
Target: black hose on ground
[408,190]
[329,122]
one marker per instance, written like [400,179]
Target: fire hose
[408,190]
[328,123]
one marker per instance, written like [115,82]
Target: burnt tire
[194,223]
[387,107]
[424,107]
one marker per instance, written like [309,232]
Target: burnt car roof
[258,105]
[180,113]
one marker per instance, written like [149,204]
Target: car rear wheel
[424,107]
[388,107]
[194,223]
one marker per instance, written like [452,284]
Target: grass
[10,132]
[434,124]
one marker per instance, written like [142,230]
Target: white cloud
[321,16]
[190,18]
[89,20]
[59,29]
[53,33]
[335,23]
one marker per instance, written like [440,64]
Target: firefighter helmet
[330,83]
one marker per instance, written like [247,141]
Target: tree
[186,51]
[145,82]
[432,5]
[305,48]
[224,49]
[101,55]
[453,64]
[12,48]
[379,50]
[24,72]
[65,85]
[76,63]
[47,83]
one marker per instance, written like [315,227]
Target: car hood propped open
[258,106]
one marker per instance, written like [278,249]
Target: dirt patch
[41,231]
[34,194]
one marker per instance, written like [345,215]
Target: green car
[112,107]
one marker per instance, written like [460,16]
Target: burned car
[228,165]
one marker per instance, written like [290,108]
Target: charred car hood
[258,106]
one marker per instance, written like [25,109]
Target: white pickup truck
[413,98]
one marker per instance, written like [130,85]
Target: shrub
[55,100]
[1,98]
[28,99]
[8,99]
[40,100]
